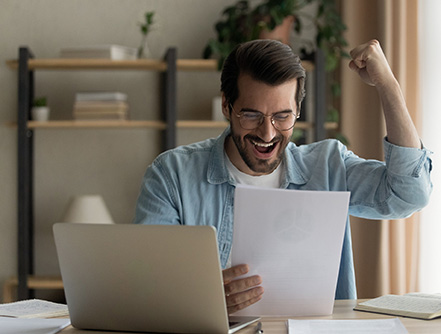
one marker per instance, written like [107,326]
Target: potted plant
[40,110]
[240,23]
[145,27]
[234,28]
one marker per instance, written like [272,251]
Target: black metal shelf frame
[25,154]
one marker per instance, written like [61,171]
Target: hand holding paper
[241,292]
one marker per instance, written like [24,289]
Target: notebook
[145,278]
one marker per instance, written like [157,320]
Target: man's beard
[258,165]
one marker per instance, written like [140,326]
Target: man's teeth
[263,144]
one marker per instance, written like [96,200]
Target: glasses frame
[239,115]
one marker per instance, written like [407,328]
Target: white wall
[430,267]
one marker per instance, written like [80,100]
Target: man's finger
[242,284]
[233,272]
[243,297]
[357,53]
[353,66]
[237,307]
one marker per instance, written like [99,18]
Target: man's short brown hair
[265,60]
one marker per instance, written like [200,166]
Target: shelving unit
[27,64]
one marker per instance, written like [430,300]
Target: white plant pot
[40,114]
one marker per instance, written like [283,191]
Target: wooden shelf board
[91,64]
[189,124]
[310,125]
[196,64]
[331,125]
[97,124]
[33,282]
[40,282]
[139,64]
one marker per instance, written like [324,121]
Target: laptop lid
[148,278]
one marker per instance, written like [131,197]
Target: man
[262,86]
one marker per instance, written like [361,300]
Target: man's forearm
[369,61]
[400,128]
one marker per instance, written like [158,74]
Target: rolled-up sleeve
[392,189]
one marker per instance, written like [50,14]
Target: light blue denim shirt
[191,185]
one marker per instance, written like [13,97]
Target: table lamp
[87,209]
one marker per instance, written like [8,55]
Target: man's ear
[225,107]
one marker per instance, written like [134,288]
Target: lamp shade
[87,209]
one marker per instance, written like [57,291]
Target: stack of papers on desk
[26,316]
[32,326]
[377,326]
[33,308]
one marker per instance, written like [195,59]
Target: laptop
[144,278]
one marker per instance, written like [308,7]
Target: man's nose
[266,130]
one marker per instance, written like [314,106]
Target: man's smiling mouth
[264,147]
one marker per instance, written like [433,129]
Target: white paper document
[33,308]
[377,326]
[293,240]
[32,326]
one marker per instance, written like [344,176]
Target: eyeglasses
[250,120]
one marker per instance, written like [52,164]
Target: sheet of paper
[32,326]
[293,239]
[377,326]
[33,308]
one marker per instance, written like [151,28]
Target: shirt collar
[293,173]
[217,172]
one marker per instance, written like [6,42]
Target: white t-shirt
[272,180]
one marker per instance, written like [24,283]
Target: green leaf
[40,101]
[336,89]
[297,134]
[342,138]
[206,54]
[332,115]
[331,62]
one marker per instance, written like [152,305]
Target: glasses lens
[250,120]
[284,121]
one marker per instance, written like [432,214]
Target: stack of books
[101,106]
[114,52]
[414,305]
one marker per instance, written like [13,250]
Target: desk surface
[343,309]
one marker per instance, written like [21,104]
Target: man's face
[259,151]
